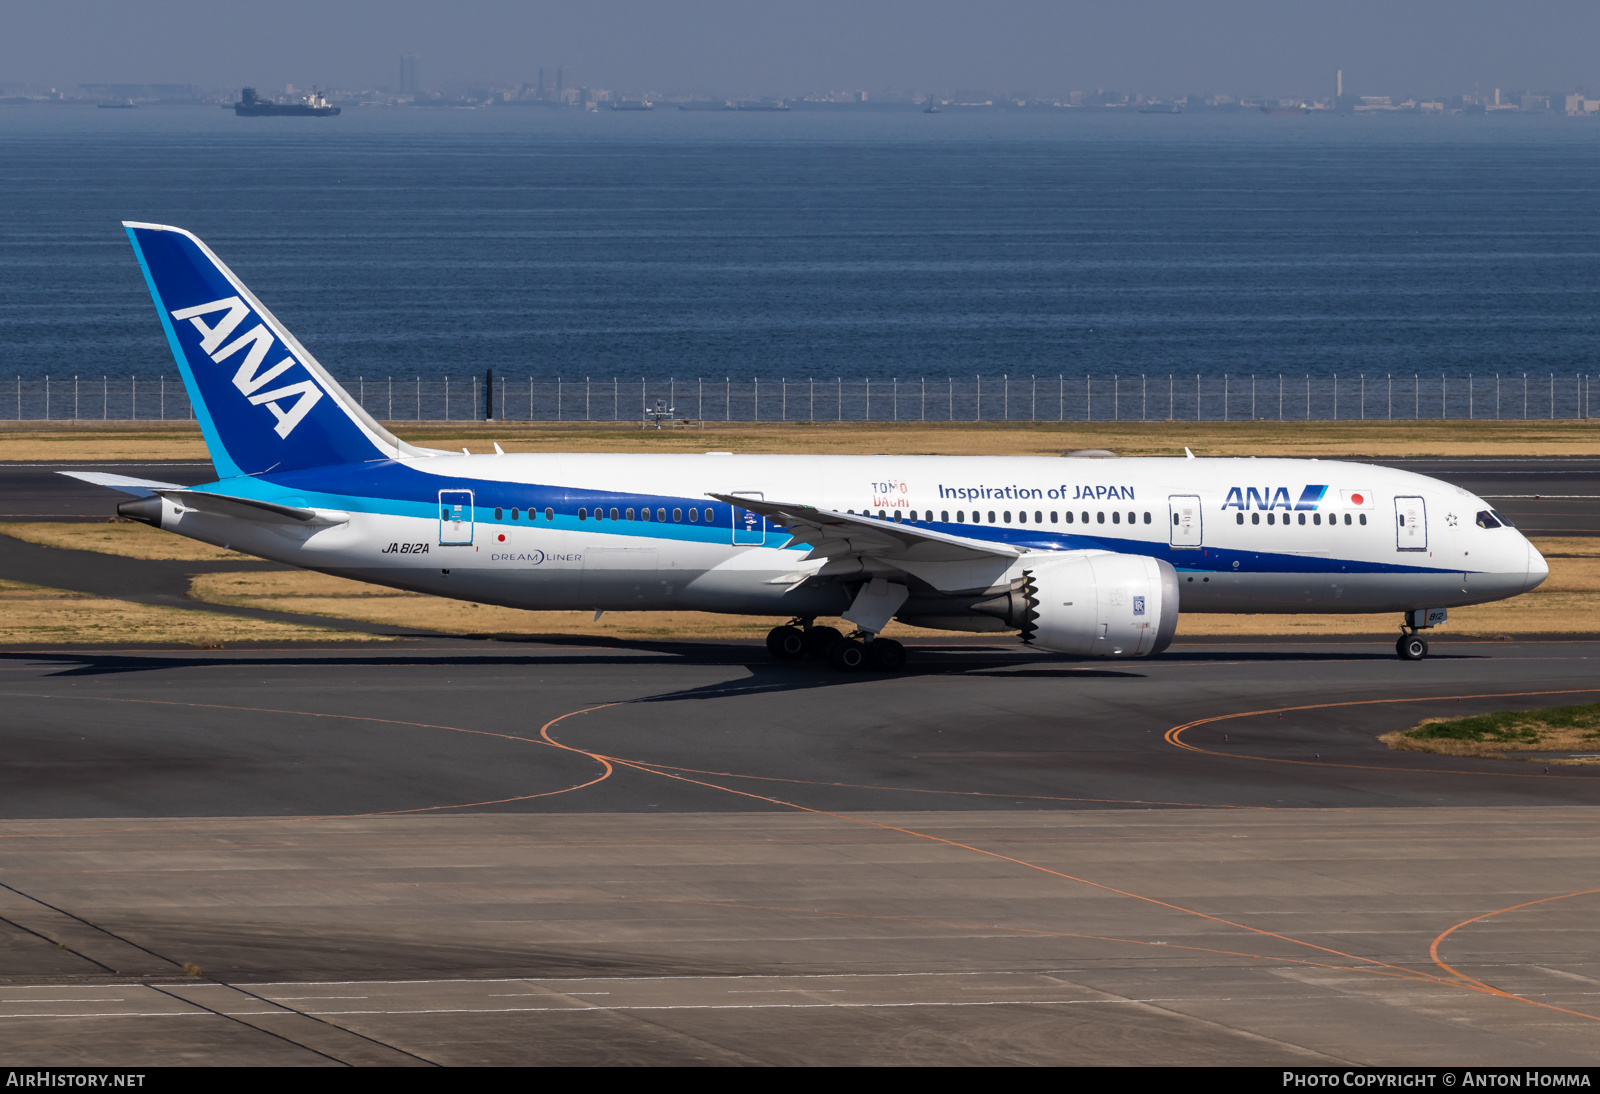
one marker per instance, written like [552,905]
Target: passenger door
[1186,526]
[455,518]
[1411,524]
[749,530]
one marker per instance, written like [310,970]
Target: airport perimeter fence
[1139,398]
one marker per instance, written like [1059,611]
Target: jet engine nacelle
[1101,605]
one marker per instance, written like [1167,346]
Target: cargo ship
[251,105]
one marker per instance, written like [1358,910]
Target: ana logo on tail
[248,379]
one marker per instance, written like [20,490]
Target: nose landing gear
[1411,647]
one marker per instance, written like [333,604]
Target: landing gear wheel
[786,643]
[818,639]
[847,655]
[886,655]
[1411,647]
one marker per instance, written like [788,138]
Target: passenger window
[1255,518]
[549,514]
[1068,516]
[709,518]
[961,516]
[1100,517]
[991,516]
[583,514]
[677,516]
[1316,518]
[1022,517]
[615,515]
[499,514]
[644,514]
[694,515]
[1302,518]
[1238,518]
[1132,517]
[1347,518]
[1086,516]
[1055,518]
[1116,517]
[1363,518]
[1271,518]
[1007,515]
[1038,517]
[1147,518]
[629,514]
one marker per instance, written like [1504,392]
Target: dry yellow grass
[1499,736]
[97,441]
[1300,439]
[126,538]
[320,594]
[1556,740]
[31,615]
[179,440]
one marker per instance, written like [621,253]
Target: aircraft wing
[837,535]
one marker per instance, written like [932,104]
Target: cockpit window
[1502,518]
[1487,518]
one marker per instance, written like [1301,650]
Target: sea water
[821,248]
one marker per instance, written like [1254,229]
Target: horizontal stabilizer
[222,505]
[125,483]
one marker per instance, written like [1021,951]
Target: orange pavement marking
[1433,952]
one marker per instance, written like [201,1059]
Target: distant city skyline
[411,89]
[1028,49]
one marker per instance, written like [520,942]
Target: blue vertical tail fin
[263,402]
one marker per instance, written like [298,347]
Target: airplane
[1095,558]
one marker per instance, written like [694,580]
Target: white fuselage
[1245,535]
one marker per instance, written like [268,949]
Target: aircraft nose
[1538,569]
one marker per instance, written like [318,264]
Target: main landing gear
[859,651]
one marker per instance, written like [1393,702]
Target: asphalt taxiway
[447,851]
[464,853]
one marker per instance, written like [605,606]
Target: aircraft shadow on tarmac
[924,661]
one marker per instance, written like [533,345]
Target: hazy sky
[751,47]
